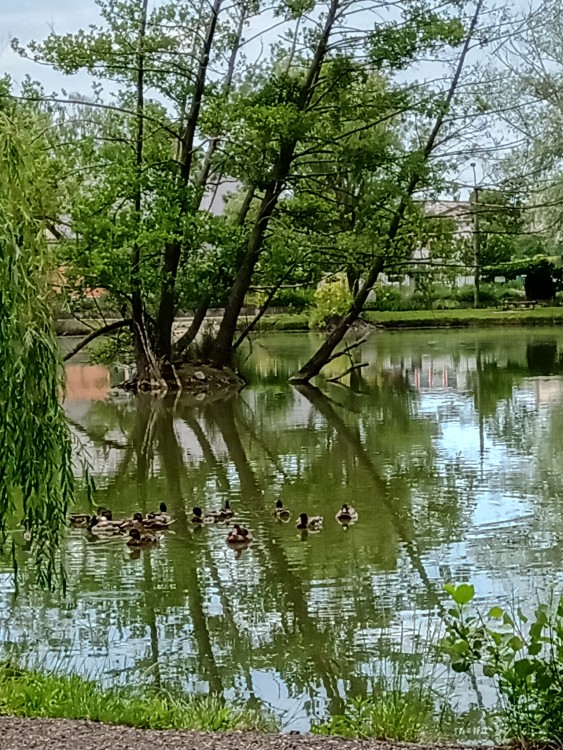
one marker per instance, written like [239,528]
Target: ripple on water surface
[446,444]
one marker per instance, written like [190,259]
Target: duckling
[347,515]
[281,513]
[314,523]
[136,539]
[199,517]
[161,515]
[239,535]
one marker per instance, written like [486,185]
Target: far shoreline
[292,322]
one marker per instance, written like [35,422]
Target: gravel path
[48,734]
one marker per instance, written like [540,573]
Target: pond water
[448,445]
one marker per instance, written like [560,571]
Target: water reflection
[447,445]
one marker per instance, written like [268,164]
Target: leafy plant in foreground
[524,656]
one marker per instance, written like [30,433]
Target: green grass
[28,693]
[411,715]
[282,322]
[467,317]
[430,319]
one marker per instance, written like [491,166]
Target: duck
[281,513]
[161,515]
[81,520]
[239,535]
[198,516]
[313,523]
[347,515]
[103,525]
[157,523]
[136,539]
[226,511]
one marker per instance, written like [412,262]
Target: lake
[448,444]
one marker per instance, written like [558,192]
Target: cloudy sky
[34,19]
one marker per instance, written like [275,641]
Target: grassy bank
[546,316]
[33,694]
[541,316]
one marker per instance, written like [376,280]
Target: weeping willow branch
[36,479]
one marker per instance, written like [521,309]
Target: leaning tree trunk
[325,352]
[222,351]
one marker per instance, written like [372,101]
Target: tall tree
[145,162]
[416,174]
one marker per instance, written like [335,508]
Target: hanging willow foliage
[36,480]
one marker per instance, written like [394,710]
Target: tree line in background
[327,132]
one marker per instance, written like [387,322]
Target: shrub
[332,299]
[524,657]
[294,299]
[110,350]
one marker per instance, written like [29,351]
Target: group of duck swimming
[145,531]
[240,535]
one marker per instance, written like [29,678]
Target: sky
[34,19]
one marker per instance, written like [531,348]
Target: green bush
[524,657]
[294,299]
[388,299]
[332,299]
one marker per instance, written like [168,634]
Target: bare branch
[103,331]
[348,370]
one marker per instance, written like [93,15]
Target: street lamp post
[476,238]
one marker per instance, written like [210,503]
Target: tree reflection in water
[300,623]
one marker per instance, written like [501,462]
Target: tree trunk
[199,316]
[148,374]
[222,351]
[323,354]
[173,250]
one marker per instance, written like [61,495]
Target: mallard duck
[136,539]
[198,516]
[161,515]
[239,535]
[314,523]
[281,513]
[226,511]
[81,520]
[154,522]
[103,525]
[347,515]
[135,522]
